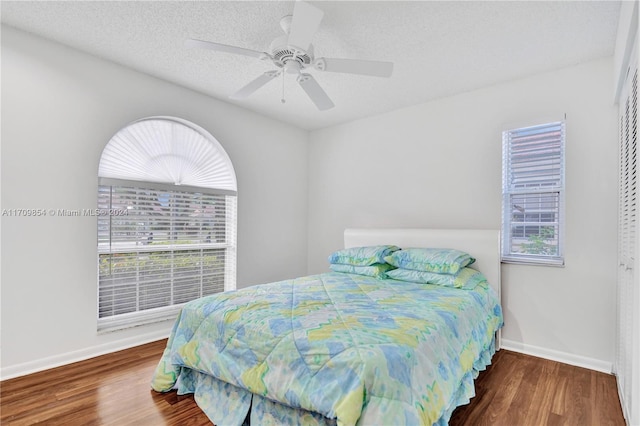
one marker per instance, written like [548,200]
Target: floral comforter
[332,348]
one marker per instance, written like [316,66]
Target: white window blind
[533,194]
[163,243]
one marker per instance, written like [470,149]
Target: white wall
[439,165]
[59,109]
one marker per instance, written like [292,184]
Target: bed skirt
[225,404]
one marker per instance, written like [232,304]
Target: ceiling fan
[292,53]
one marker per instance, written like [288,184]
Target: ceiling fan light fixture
[292,67]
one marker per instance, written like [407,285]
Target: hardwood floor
[112,389]
[516,390]
[522,390]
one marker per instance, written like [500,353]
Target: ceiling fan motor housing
[281,52]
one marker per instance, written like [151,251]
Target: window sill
[554,262]
[135,319]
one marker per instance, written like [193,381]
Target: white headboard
[482,244]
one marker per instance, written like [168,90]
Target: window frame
[222,186]
[551,191]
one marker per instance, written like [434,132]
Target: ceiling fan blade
[315,92]
[247,90]
[218,47]
[304,24]
[355,66]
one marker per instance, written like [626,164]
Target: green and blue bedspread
[332,348]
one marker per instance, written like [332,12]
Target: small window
[533,194]
[166,222]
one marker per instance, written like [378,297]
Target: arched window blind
[167,223]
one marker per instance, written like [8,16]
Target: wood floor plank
[114,389]
[492,398]
[518,410]
[606,394]
[578,402]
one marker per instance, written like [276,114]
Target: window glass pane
[168,249]
[157,217]
[533,180]
[535,157]
[534,224]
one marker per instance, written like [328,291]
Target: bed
[341,348]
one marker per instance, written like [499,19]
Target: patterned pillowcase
[466,279]
[378,270]
[441,261]
[362,256]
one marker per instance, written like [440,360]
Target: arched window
[166,221]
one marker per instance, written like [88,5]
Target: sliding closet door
[628,352]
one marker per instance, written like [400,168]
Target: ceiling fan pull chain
[283,99]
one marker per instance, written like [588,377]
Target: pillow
[466,279]
[362,256]
[442,261]
[377,270]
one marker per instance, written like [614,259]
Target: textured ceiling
[438,48]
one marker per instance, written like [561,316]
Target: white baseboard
[79,355]
[553,355]
[83,354]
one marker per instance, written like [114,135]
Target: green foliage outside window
[542,243]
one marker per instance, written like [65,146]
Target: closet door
[628,352]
